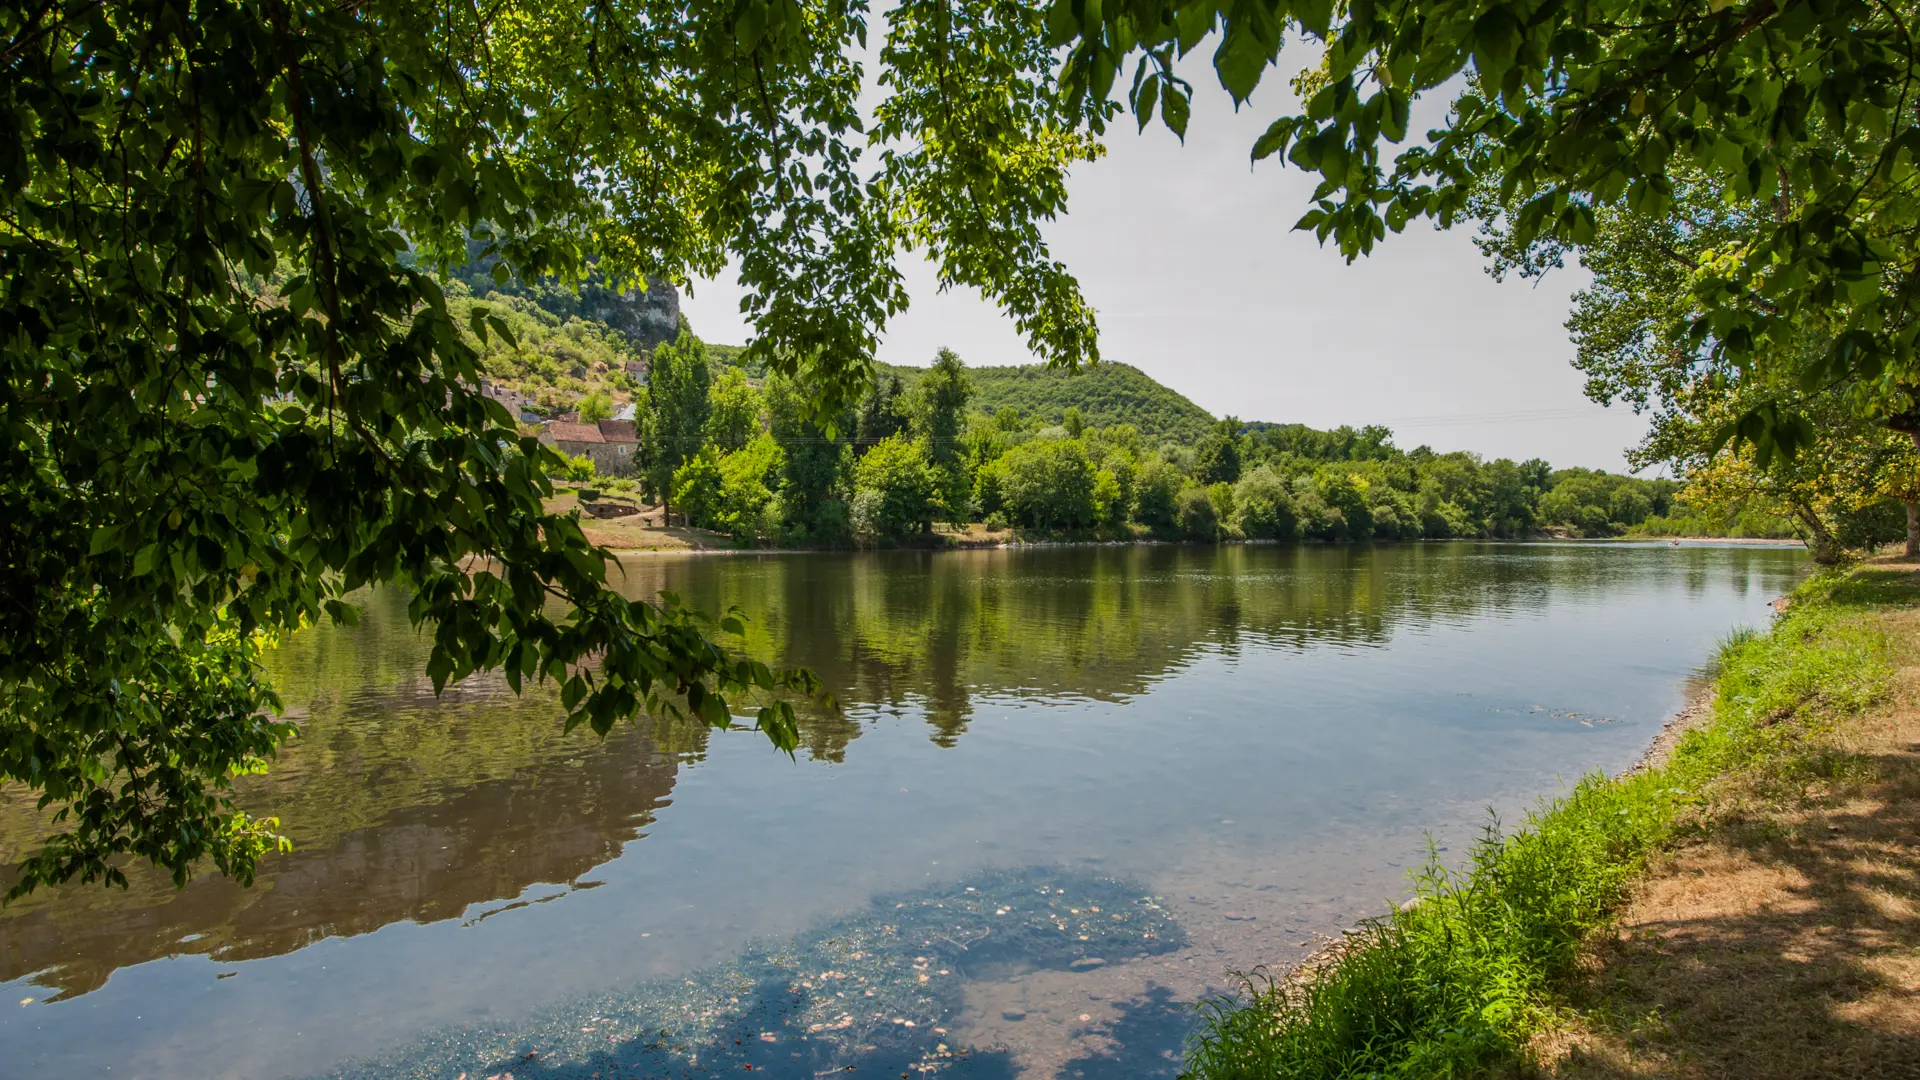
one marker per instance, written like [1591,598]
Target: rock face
[647,317]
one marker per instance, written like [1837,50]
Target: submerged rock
[872,991]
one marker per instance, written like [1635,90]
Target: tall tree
[940,416]
[940,407]
[1217,459]
[231,392]
[885,412]
[818,464]
[733,415]
[677,399]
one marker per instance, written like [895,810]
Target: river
[1069,792]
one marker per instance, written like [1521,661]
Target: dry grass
[1784,941]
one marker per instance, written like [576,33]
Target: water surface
[1070,791]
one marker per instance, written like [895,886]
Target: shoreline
[1594,902]
[1013,543]
[1697,711]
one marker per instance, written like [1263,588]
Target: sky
[1188,256]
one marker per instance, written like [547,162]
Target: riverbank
[1748,907]
[636,528]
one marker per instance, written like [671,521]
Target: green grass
[1457,982]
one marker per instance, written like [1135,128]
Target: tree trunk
[1913,512]
[1819,538]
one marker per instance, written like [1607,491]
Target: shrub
[896,491]
[1262,508]
[1050,484]
[1196,516]
[1156,496]
[696,487]
[1318,521]
[595,407]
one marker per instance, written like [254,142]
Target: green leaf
[1145,97]
[1174,110]
[1249,45]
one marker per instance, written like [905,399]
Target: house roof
[566,432]
[621,431]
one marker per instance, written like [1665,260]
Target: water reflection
[937,630]
[1271,728]
[401,807]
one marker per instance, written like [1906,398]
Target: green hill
[1105,394]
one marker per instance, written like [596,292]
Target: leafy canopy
[1802,113]
[232,393]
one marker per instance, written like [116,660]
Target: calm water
[1070,791]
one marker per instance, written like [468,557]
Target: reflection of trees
[939,630]
[401,807]
[404,806]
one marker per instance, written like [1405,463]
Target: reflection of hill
[401,808]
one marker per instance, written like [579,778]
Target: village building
[609,444]
[521,404]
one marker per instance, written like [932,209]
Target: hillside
[1105,394]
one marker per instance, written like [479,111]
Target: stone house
[609,444]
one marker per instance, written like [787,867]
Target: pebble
[1012,1014]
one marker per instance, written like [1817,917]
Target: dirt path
[1786,941]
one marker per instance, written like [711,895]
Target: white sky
[1189,258]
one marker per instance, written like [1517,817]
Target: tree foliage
[233,392]
[896,490]
[1106,395]
[1799,114]
[678,406]
[733,411]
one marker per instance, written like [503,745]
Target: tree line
[757,462]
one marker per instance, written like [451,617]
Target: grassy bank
[1479,972]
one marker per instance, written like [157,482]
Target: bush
[588,494]
[748,477]
[1628,506]
[1346,495]
[1156,496]
[1318,521]
[1393,514]
[825,523]
[896,490]
[1593,521]
[696,487]
[1051,484]
[578,469]
[1262,508]
[1196,516]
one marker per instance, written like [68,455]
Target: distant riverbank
[637,529]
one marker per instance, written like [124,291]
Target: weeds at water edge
[1458,981]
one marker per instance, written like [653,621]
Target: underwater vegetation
[872,993]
